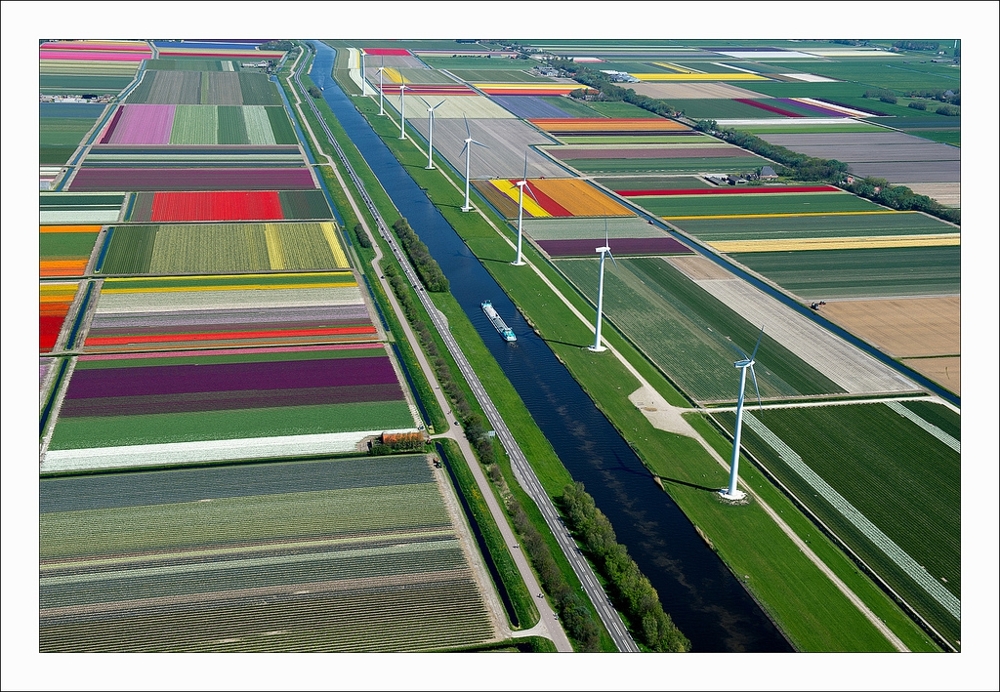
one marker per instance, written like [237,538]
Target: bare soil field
[698,268]
[898,157]
[910,172]
[507,139]
[903,327]
[847,365]
[948,194]
[471,107]
[946,371]
[709,90]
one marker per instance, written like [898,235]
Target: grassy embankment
[806,605]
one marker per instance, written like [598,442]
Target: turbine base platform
[597,349]
[518,264]
[737,496]
[466,208]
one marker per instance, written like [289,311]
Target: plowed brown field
[947,371]
[903,327]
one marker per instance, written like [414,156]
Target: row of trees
[635,596]
[943,109]
[901,198]
[472,422]
[883,95]
[802,167]
[427,267]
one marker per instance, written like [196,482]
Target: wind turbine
[430,133]
[522,185]
[402,116]
[364,84]
[468,160]
[597,348]
[747,362]
[381,91]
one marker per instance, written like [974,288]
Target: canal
[699,592]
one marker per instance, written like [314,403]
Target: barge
[502,329]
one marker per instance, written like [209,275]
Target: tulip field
[175,312]
[222,248]
[356,555]
[165,408]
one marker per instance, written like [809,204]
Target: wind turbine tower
[522,185]
[430,134]
[381,91]
[467,149]
[605,251]
[746,363]
[402,116]
[364,82]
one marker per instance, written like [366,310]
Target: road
[523,472]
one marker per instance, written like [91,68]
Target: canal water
[702,596]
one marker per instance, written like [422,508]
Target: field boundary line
[902,559]
[929,427]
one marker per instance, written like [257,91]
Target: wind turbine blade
[738,349]
[439,103]
[485,146]
[468,131]
[463,149]
[424,102]
[528,188]
[606,232]
[611,256]
[759,337]
[755,388]
[525,176]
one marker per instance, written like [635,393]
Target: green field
[626,166]
[65,245]
[946,136]
[86,432]
[349,555]
[796,128]
[505,72]
[885,74]
[61,128]
[901,478]
[770,203]
[819,226]
[619,109]
[703,109]
[876,273]
[217,248]
[647,299]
